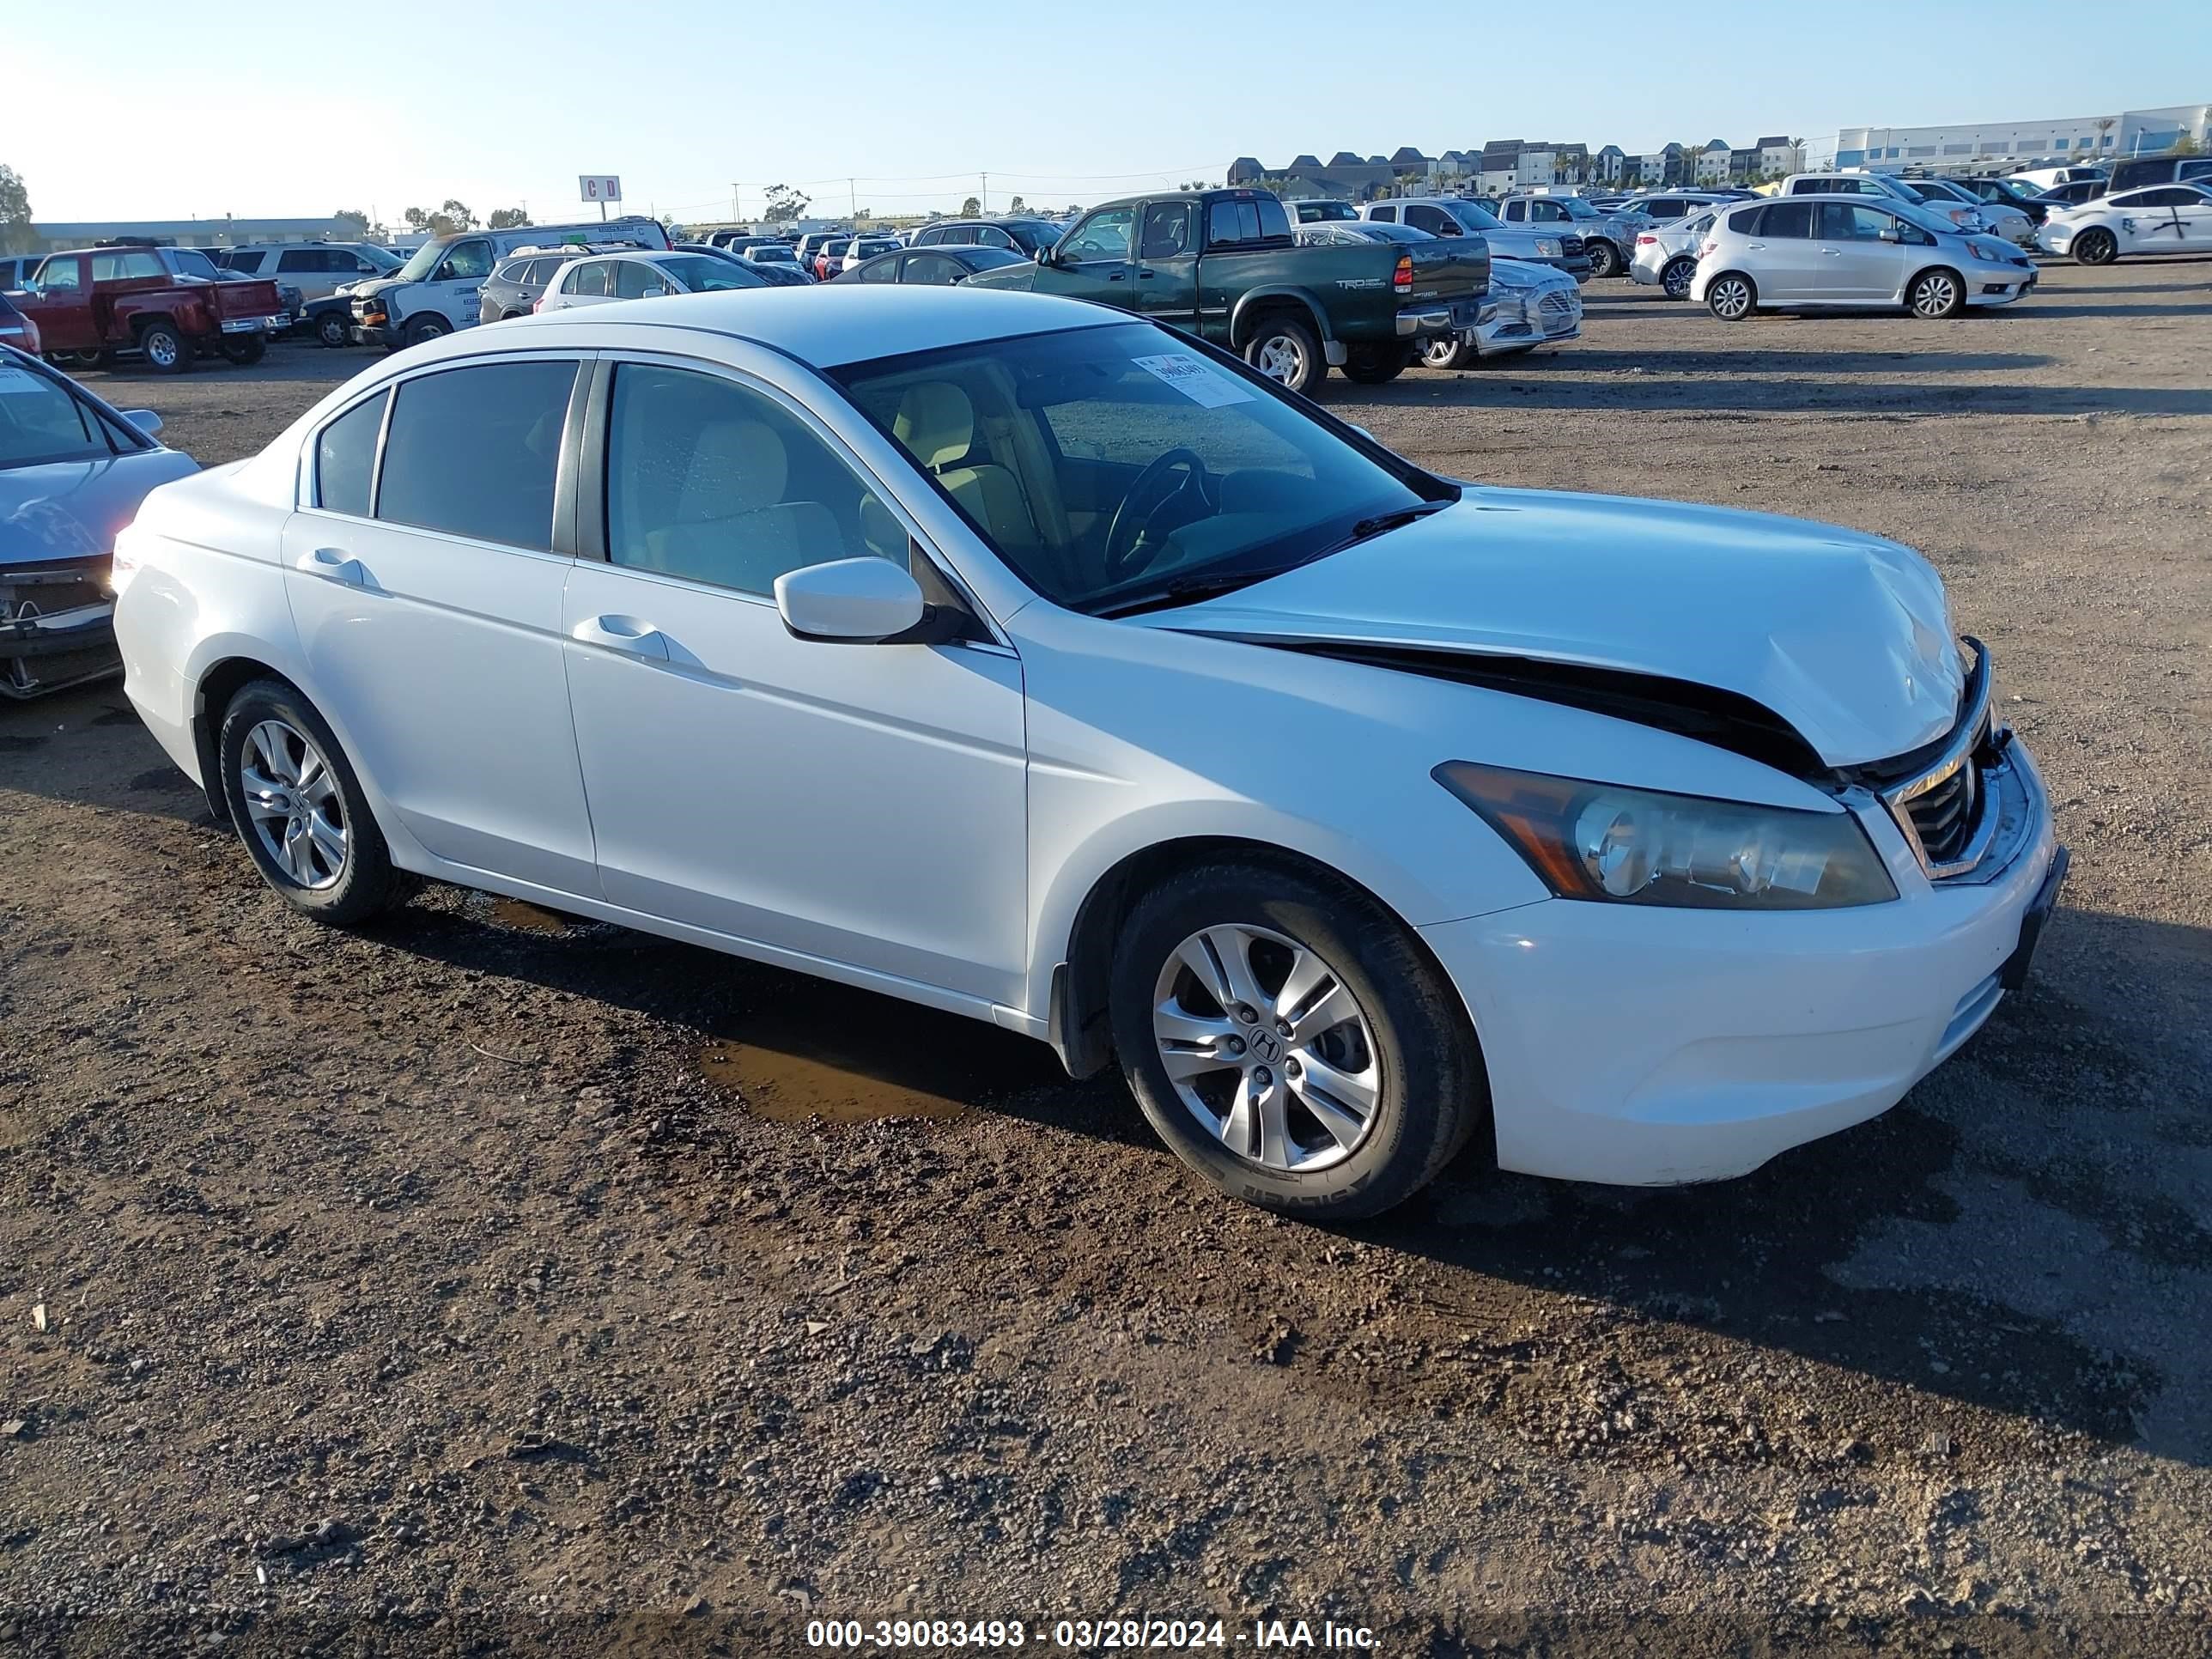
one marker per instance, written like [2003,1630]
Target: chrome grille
[1570,246]
[1555,301]
[1943,818]
[1940,803]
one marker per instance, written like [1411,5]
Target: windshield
[40,422]
[1927,218]
[1326,212]
[772,253]
[425,261]
[190,262]
[382,258]
[1104,464]
[1576,208]
[1473,216]
[701,273]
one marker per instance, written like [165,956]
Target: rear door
[426,580]
[1785,261]
[1166,279]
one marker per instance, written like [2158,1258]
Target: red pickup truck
[102,301]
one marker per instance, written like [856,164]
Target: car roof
[831,324]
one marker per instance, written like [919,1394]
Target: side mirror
[1892,234]
[1043,256]
[653,291]
[145,419]
[860,602]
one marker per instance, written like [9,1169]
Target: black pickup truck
[1225,265]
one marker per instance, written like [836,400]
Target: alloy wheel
[293,799]
[1729,297]
[1674,281]
[1266,1046]
[161,350]
[1934,295]
[1281,358]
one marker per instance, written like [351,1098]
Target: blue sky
[396,102]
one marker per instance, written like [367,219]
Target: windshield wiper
[1187,590]
[1367,529]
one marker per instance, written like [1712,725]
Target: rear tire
[1378,365]
[1731,296]
[1604,257]
[1286,349]
[168,350]
[246,349]
[1404,1079]
[1936,294]
[290,732]
[2096,247]
[1675,279]
[1448,354]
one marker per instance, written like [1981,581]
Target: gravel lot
[479,1280]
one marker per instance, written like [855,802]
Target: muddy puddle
[529,918]
[844,1057]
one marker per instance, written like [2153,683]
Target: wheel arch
[217,685]
[1932,268]
[1077,1019]
[1263,302]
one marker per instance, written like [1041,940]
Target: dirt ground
[482,1282]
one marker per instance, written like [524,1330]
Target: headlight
[1989,254]
[1603,841]
[1548,246]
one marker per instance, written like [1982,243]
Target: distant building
[1712,165]
[1609,166]
[54,235]
[1994,144]
[1780,157]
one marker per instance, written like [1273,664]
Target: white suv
[317,269]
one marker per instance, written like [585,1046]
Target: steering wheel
[1122,562]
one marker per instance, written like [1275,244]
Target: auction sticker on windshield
[1200,382]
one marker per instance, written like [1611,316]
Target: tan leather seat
[732,523]
[936,425]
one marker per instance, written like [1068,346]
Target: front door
[427,597]
[1851,260]
[1166,275]
[1092,261]
[461,279]
[861,804]
[63,308]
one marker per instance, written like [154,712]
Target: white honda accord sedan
[1038,664]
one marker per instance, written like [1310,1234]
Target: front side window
[1167,230]
[1851,221]
[470,262]
[717,483]
[992,236]
[1099,463]
[1104,235]
[41,421]
[1431,220]
[934,269]
[59,276]
[472,452]
[636,280]
[136,265]
[883,270]
[345,459]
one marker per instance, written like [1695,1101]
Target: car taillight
[1402,280]
[1647,241]
[537,305]
[1707,247]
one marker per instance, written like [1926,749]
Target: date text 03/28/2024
[1087,1635]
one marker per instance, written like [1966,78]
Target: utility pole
[984,200]
[853,200]
[733,201]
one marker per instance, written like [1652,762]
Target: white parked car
[1042,665]
[2161,219]
[2037,180]
[1666,254]
[317,269]
[602,278]
[1793,255]
[1528,305]
[1996,218]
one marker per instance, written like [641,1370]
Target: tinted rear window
[345,459]
[472,452]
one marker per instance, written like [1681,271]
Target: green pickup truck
[1223,264]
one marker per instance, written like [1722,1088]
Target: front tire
[1675,279]
[1376,365]
[1936,294]
[167,351]
[333,330]
[1321,1065]
[1731,296]
[424,329]
[1604,257]
[1286,351]
[299,808]
[2096,247]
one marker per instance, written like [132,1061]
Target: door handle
[1119,275]
[1147,274]
[1832,252]
[1756,248]
[624,633]
[332,564]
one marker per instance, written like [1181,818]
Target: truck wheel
[167,351]
[1378,365]
[1605,258]
[333,329]
[245,349]
[425,328]
[1284,348]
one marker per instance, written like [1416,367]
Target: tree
[970,208]
[2185,145]
[458,216]
[354,221]
[15,212]
[508,219]
[1017,205]
[785,205]
[450,220]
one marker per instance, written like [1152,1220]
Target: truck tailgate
[254,298]
[1449,268]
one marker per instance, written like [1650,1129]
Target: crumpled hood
[72,509]
[1845,635]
